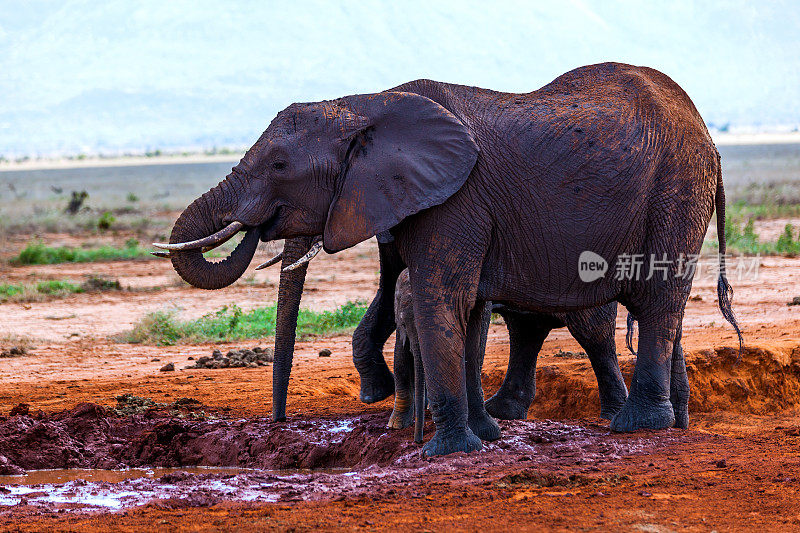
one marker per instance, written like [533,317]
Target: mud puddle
[169,487]
[65,475]
[154,458]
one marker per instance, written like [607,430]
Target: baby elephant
[409,399]
[592,328]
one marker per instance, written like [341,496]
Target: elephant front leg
[375,328]
[479,421]
[648,406]
[441,335]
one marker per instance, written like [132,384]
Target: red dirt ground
[736,467]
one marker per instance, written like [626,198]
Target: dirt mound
[765,380]
[90,436]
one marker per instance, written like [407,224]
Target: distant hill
[114,75]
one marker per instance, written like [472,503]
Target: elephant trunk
[206,216]
[290,290]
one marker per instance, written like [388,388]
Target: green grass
[742,211]
[24,292]
[232,323]
[742,239]
[49,289]
[38,253]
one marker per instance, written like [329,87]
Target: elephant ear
[408,154]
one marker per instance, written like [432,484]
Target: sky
[112,76]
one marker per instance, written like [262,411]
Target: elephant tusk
[315,248]
[270,262]
[212,241]
[161,254]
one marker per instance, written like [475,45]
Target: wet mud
[301,459]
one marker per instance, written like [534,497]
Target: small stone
[325,352]
[169,367]
[155,360]
[216,354]
[795,301]
[190,358]
[252,365]
[722,463]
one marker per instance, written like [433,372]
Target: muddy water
[115,489]
[65,475]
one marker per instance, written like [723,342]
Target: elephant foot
[462,441]
[507,408]
[682,417]
[639,415]
[403,413]
[608,413]
[377,386]
[484,426]
[609,408]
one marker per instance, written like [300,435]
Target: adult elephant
[493,197]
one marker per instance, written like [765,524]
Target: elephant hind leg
[594,330]
[679,386]
[526,335]
[479,421]
[648,406]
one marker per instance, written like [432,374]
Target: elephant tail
[724,289]
[629,333]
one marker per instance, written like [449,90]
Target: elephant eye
[279,165]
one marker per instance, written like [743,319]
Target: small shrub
[786,243]
[99,284]
[105,221]
[76,202]
[132,198]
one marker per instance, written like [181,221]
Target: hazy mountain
[120,75]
